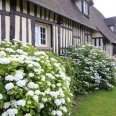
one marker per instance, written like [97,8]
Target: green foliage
[95,68]
[32,82]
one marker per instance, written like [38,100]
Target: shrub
[32,83]
[69,67]
[96,69]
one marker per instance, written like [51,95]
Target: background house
[54,24]
[111,23]
[104,31]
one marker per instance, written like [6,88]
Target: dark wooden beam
[62,38]
[77,37]
[65,38]
[4,5]
[99,41]
[3,27]
[12,19]
[80,33]
[59,27]
[20,38]
[49,15]
[41,13]
[33,31]
[45,14]
[73,33]
[28,7]
[66,28]
[34,18]
[35,10]
[95,42]
[27,31]
[21,6]
[54,17]
[2,12]
[52,35]
[97,37]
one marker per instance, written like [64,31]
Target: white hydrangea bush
[32,83]
[95,68]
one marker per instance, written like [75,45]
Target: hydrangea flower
[41,105]
[44,99]
[28,114]
[62,100]
[5,114]
[31,75]
[21,103]
[37,92]
[9,78]
[9,50]
[9,86]
[52,59]
[32,85]
[4,61]
[2,53]
[59,113]
[21,83]
[6,105]
[35,97]
[12,112]
[18,77]
[57,102]
[1,96]
[30,93]
[53,113]
[53,94]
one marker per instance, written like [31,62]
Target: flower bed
[95,68]
[32,83]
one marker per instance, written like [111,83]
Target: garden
[38,83]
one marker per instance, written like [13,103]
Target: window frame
[38,38]
[84,7]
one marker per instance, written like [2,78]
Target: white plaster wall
[109,49]
[111,27]
[96,34]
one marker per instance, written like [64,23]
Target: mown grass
[99,103]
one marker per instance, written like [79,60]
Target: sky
[106,7]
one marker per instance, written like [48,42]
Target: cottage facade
[49,24]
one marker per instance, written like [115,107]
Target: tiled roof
[98,20]
[110,21]
[66,8]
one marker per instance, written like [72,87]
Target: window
[86,8]
[40,36]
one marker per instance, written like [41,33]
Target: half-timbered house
[50,24]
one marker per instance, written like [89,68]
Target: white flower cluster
[4,61]
[21,103]
[9,86]
[2,53]
[33,80]
[10,112]
[9,50]
[16,77]
[32,85]
[21,52]
[95,66]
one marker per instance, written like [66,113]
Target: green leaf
[2,88]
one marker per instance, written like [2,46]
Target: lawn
[99,103]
